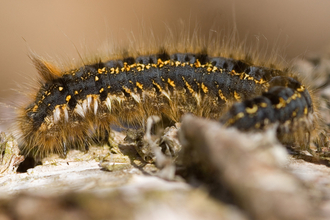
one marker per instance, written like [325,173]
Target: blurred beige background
[50,28]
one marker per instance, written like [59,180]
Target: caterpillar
[73,107]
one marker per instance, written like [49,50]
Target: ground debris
[229,159]
[9,154]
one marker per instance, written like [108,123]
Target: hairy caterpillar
[73,107]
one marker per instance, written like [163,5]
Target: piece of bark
[9,154]
[260,186]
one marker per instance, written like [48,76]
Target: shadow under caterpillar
[74,106]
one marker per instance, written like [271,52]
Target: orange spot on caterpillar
[188,85]
[35,108]
[221,95]
[157,85]
[171,82]
[127,90]
[139,85]
[237,96]
[281,104]
[67,99]
[204,88]
[263,105]
[197,63]
[252,110]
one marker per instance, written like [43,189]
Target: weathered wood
[261,187]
